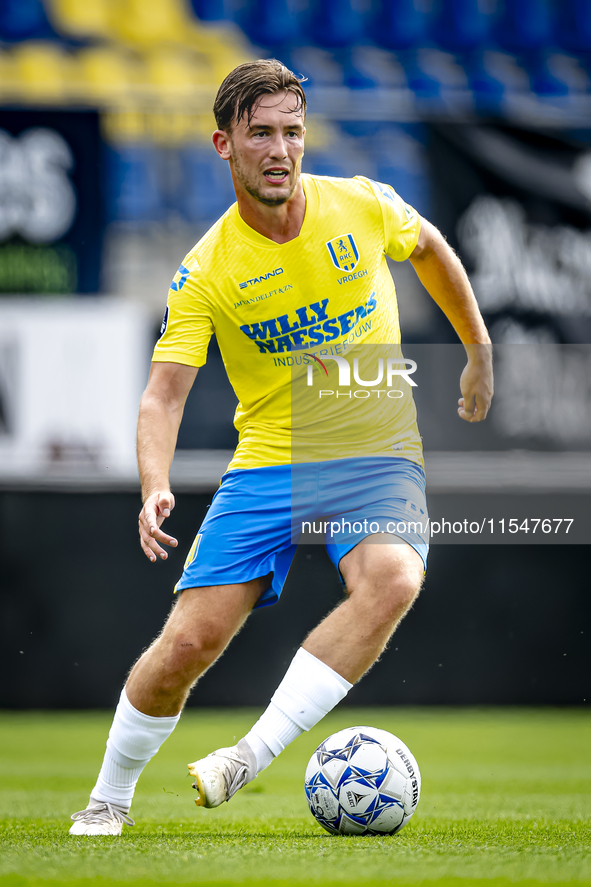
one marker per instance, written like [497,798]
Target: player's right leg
[240,559]
[198,629]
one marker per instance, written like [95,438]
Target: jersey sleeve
[402,223]
[187,326]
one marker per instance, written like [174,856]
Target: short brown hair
[243,87]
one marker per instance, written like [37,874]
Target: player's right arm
[161,411]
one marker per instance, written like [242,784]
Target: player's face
[266,155]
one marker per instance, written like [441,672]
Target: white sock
[133,740]
[309,690]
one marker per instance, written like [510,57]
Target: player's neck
[278,223]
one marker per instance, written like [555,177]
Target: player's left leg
[383,576]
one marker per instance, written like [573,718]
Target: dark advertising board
[51,207]
[516,203]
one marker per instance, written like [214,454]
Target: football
[362,781]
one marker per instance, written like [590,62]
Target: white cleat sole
[210,787]
[222,773]
[201,799]
[94,831]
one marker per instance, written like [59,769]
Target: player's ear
[222,144]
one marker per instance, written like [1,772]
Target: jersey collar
[312,202]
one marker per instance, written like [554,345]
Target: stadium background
[478,112]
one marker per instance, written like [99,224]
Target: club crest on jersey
[343,252]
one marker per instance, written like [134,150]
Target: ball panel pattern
[362,781]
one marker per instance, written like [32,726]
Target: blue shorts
[258,515]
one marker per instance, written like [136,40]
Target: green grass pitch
[506,800]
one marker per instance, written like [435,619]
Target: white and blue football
[362,781]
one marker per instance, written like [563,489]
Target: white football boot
[222,773]
[100,819]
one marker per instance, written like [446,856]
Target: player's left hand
[476,385]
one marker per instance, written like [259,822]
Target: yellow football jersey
[283,314]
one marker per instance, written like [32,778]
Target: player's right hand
[156,508]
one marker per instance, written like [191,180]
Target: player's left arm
[443,276]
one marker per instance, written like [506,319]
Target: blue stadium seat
[24,20]
[422,83]
[401,161]
[354,76]
[346,152]
[460,24]
[362,131]
[573,28]
[333,23]
[319,66]
[525,25]
[488,89]
[544,80]
[206,191]
[381,65]
[323,68]
[211,10]
[397,24]
[325,165]
[133,192]
[386,152]
[269,22]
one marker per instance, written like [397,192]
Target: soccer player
[292,275]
